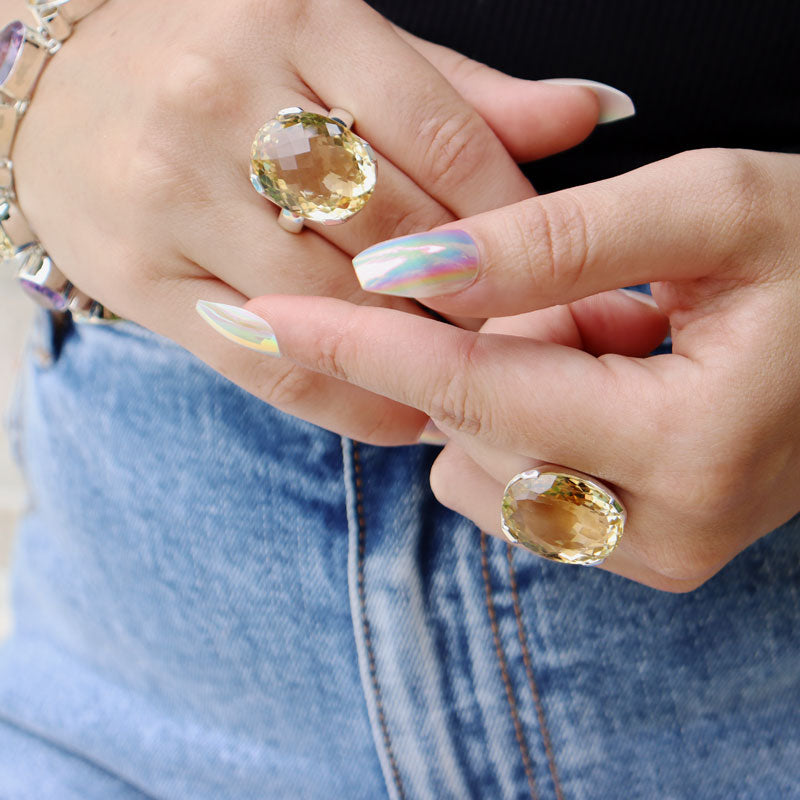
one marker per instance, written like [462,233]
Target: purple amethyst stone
[12,38]
[44,296]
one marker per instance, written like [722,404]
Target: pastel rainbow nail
[432,435]
[642,297]
[420,265]
[614,104]
[240,326]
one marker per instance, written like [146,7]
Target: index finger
[543,400]
[677,219]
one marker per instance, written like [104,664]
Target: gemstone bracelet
[24,52]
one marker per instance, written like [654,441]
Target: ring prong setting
[289,222]
[292,111]
[342,116]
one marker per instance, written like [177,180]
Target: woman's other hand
[703,444]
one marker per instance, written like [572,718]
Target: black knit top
[702,73]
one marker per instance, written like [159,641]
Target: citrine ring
[562,515]
[313,167]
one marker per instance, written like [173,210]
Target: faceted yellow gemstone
[313,167]
[561,516]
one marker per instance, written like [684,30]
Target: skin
[148,207]
[702,445]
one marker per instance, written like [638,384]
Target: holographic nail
[421,265]
[240,326]
[642,297]
[432,435]
[614,104]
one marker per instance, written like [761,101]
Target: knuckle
[740,181]
[168,152]
[738,196]
[330,348]
[450,142]
[197,86]
[554,244]
[451,405]
[710,492]
[153,171]
[146,172]
[452,401]
[688,551]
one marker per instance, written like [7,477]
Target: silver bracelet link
[24,53]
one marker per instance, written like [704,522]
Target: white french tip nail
[614,104]
[641,297]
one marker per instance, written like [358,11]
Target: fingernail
[240,326]
[642,297]
[614,104]
[421,265]
[432,435]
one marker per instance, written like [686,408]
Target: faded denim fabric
[215,601]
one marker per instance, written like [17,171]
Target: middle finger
[410,112]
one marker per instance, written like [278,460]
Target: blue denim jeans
[216,601]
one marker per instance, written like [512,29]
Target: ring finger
[474,489]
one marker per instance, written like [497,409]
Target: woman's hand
[132,166]
[703,445]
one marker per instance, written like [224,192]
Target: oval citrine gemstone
[313,166]
[562,516]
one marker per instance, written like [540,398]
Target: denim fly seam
[526,705]
[401,659]
[529,673]
[503,666]
[361,627]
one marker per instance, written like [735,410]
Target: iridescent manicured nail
[240,326]
[421,265]
[642,297]
[432,435]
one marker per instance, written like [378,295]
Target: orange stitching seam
[512,704]
[365,626]
[526,658]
